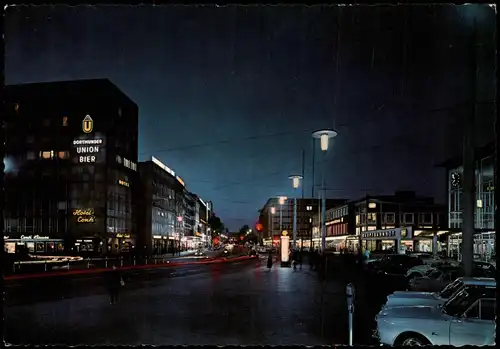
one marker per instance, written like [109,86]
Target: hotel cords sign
[88,149]
[84,215]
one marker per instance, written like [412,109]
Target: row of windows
[336,229]
[119,225]
[126,162]
[48,154]
[336,213]
[162,229]
[405,218]
[36,225]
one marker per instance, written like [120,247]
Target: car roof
[478,281]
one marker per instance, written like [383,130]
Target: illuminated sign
[125,184]
[125,236]
[179,179]
[87,124]
[35,237]
[165,167]
[87,147]
[84,215]
[393,234]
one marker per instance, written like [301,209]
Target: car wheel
[413,339]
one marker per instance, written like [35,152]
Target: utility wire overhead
[226,141]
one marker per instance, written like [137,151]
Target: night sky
[229,96]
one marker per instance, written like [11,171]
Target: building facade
[71,151]
[484,216]
[158,213]
[399,222]
[204,212]
[276,218]
[340,225]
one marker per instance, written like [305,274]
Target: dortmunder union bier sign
[87,149]
[84,215]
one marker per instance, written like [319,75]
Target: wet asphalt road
[241,304]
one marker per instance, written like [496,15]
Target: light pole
[180,219]
[271,212]
[324,137]
[296,183]
[282,200]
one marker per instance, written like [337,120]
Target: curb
[135,267]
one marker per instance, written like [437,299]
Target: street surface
[240,303]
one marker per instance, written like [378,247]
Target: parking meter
[350,308]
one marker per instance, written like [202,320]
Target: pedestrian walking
[114,281]
[312,261]
[270,261]
[299,258]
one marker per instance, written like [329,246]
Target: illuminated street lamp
[296,183]
[282,200]
[270,229]
[324,137]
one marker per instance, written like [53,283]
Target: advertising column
[88,203]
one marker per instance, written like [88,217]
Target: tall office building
[71,154]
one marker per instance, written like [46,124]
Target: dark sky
[229,96]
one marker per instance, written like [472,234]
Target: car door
[476,326]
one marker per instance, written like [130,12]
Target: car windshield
[430,272]
[434,274]
[450,289]
[459,303]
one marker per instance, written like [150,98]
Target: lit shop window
[63,154]
[47,154]
[65,121]
[126,162]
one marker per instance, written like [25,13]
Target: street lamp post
[324,137]
[273,212]
[282,200]
[180,220]
[296,183]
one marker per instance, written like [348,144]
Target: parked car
[435,279]
[484,269]
[412,298]
[420,270]
[397,264]
[468,318]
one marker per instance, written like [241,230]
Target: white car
[468,318]
[413,298]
